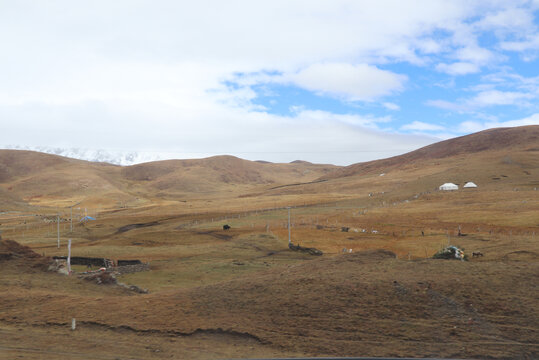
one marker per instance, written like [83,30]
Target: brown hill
[216,173]
[507,156]
[524,138]
[33,177]
[16,255]
[49,179]
[496,159]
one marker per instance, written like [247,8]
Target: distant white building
[469,184]
[449,186]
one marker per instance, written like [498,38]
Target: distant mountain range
[493,159]
[99,155]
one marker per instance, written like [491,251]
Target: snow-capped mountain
[99,155]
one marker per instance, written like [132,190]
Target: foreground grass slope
[366,303]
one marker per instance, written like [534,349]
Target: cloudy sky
[324,81]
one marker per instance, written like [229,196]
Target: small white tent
[449,186]
[470,184]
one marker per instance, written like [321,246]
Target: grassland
[217,293]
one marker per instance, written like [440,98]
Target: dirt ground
[96,342]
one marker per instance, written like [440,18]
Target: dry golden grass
[217,293]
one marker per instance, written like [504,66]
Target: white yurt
[449,186]
[470,184]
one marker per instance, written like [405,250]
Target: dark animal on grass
[226,227]
[477,254]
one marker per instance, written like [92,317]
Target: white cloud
[470,127]
[466,127]
[484,99]
[474,126]
[360,82]
[524,38]
[315,136]
[496,97]
[529,43]
[509,20]
[391,106]
[422,126]
[530,120]
[429,46]
[152,76]
[446,105]
[263,35]
[458,68]
[475,55]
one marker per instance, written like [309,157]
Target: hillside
[218,173]
[37,178]
[507,157]
[50,180]
[496,159]
[509,140]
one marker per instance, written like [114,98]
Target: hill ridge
[33,177]
[495,139]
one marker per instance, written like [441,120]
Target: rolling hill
[507,156]
[524,139]
[215,174]
[37,178]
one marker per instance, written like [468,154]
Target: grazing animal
[226,227]
[477,254]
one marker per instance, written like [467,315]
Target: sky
[330,81]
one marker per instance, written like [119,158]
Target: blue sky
[433,99]
[336,81]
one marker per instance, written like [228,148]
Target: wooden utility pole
[69,257]
[289,240]
[71,217]
[58,229]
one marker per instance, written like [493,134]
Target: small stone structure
[129,269]
[128,262]
[121,266]
[88,261]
